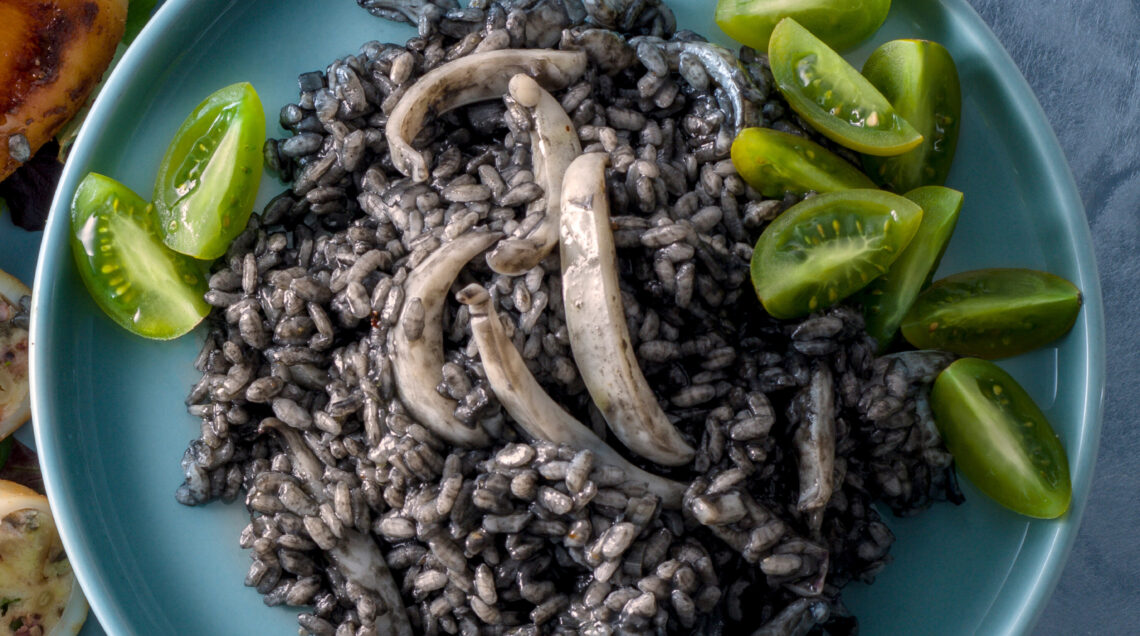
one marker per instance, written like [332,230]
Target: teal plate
[109,406]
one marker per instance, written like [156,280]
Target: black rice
[526,536]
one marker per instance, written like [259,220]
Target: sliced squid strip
[467,80]
[595,319]
[356,554]
[305,464]
[815,441]
[532,408]
[553,145]
[417,364]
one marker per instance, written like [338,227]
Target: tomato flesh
[992,313]
[833,97]
[842,24]
[133,277]
[1000,439]
[775,163]
[921,81]
[208,178]
[887,298]
[828,247]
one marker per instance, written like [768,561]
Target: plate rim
[167,16]
[1083,450]
[1019,96]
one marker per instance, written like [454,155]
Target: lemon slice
[15,408]
[38,593]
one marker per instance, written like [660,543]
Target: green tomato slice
[840,23]
[208,178]
[887,298]
[139,282]
[992,313]
[921,81]
[828,247]
[833,97]
[1000,439]
[775,163]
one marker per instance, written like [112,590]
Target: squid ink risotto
[492,364]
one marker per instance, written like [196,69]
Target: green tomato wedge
[775,163]
[208,179]
[992,313]
[921,82]
[1000,439]
[828,247]
[840,23]
[887,298]
[833,97]
[141,284]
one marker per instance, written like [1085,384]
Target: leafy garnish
[138,13]
[23,467]
[5,603]
[29,190]
[5,451]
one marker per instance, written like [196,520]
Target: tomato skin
[833,97]
[842,24]
[992,313]
[887,298]
[921,81]
[207,181]
[828,247]
[135,279]
[1000,439]
[775,163]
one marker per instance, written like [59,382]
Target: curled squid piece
[355,553]
[554,144]
[815,441]
[915,367]
[402,10]
[595,319]
[467,80]
[699,62]
[898,379]
[416,340]
[532,408]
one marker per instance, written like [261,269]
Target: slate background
[1082,58]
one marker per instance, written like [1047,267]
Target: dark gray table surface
[1082,58]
